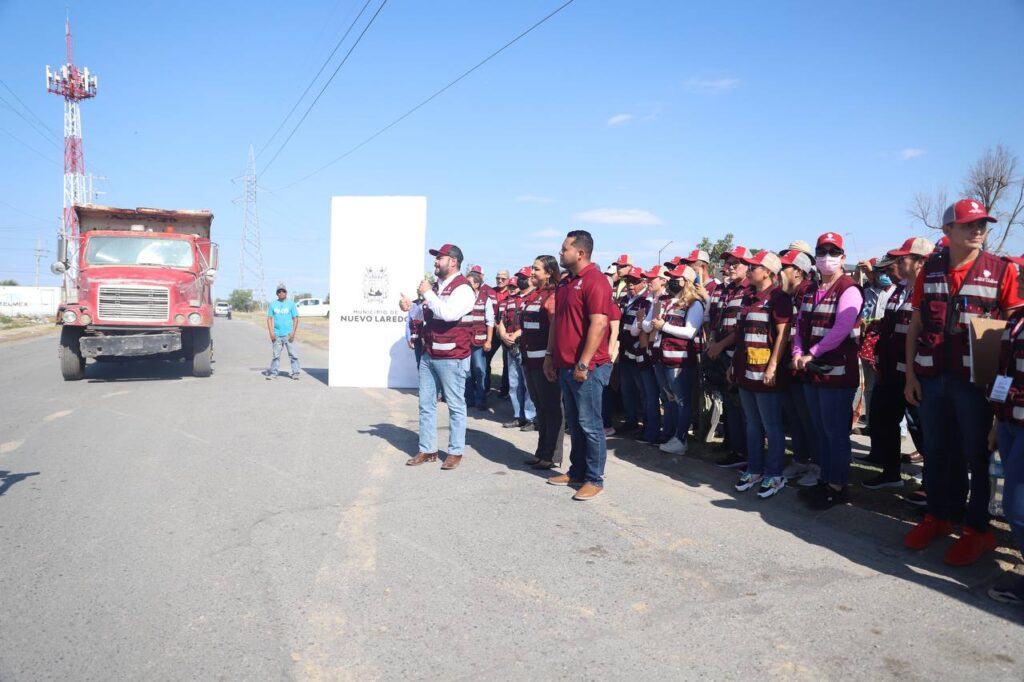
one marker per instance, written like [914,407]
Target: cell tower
[252,252]
[74,85]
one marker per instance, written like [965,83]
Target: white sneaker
[673,447]
[810,479]
[795,469]
[747,481]
[771,486]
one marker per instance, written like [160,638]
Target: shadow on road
[874,540]
[318,373]
[7,479]
[137,370]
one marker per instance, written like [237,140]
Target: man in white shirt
[447,343]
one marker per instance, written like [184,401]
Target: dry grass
[19,327]
[312,330]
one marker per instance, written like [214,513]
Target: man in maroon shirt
[577,357]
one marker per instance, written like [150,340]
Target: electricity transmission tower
[251,254]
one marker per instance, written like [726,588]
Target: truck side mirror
[214,256]
[60,266]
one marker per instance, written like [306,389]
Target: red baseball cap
[657,271]
[942,243]
[624,259]
[698,255]
[915,246]
[525,271]
[798,259]
[676,260]
[966,211]
[682,270]
[448,250]
[477,268]
[833,238]
[738,252]
[765,259]
[635,273]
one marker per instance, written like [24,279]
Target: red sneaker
[927,530]
[969,548]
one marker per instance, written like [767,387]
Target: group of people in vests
[771,341]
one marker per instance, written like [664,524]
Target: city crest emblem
[375,285]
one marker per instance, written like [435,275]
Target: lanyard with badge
[1003,382]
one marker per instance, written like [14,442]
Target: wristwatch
[582,366]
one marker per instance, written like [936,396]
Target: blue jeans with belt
[449,375]
[582,405]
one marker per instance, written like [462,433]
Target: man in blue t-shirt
[282,323]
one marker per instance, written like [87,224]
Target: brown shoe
[421,458]
[588,492]
[451,462]
[563,479]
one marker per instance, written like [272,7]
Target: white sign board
[29,301]
[377,247]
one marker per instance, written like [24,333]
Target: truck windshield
[138,251]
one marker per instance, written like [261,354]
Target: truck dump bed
[94,217]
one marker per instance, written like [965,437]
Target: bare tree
[928,209]
[993,180]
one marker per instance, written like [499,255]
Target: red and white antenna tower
[74,85]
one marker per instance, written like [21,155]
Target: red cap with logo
[942,243]
[765,259]
[635,273]
[737,252]
[477,268]
[698,255]
[447,250]
[683,270]
[966,211]
[676,260]
[657,271]
[624,260]
[525,271]
[833,238]
[798,259]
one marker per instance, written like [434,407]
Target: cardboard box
[985,340]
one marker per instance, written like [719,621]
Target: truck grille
[134,303]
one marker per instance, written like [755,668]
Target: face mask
[674,287]
[522,282]
[828,265]
[885,281]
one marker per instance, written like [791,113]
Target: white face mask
[828,265]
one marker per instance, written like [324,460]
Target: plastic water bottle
[995,475]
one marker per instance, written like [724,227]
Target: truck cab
[312,307]
[137,282]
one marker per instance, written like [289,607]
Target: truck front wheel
[72,362]
[202,352]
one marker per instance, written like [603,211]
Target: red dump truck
[136,283]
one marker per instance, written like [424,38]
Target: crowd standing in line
[781,343]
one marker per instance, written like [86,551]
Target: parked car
[222,310]
[312,307]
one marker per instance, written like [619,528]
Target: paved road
[155,526]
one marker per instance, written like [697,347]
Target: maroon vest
[479,315]
[415,327]
[943,344]
[815,322]
[1011,364]
[629,345]
[675,351]
[536,324]
[447,340]
[891,348]
[508,312]
[756,338]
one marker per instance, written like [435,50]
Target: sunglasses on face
[828,251]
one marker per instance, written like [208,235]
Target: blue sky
[645,122]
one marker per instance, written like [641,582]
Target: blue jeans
[450,376]
[798,421]
[1011,449]
[955,419]
[281,343]
[678,383]
[476,394]
[665,377]
[831,411]
[735,422]
[639,385]
[522,405]
[582,403]
[763,412]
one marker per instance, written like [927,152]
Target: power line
[29,110]
[312,82]
[27,146]
[32,124]
[317,98]
[431,98]
[24,213]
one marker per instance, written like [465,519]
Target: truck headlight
[179,319]
[69,316]
[86,319]
[194,318]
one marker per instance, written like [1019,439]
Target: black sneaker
[731,460]
[515,424]
[829,497]
[883,481]
[812,493]
[528,426]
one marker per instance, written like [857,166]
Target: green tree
[8,283]
[241,299]
[716,249]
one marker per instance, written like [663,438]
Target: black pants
[887,407]
[547,398]
[504,365]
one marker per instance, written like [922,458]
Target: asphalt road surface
[155,526]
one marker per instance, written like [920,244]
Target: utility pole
[40,252]
[251,254]
[662,249]
[74,85]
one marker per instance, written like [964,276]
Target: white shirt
[453,307]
